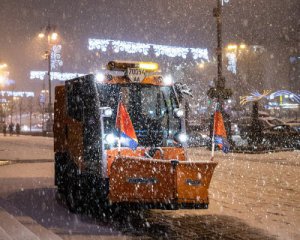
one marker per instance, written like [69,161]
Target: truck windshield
[150,108]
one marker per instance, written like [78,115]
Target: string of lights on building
[41,75]
[16,94]
[118,46]
[144,48]
[287,94]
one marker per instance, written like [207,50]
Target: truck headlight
[179,112]
[110,138]
[181,137]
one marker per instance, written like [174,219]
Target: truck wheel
[74,197]
[60,168]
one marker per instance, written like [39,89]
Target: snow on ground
[26,148]
[261,189]
[252,196]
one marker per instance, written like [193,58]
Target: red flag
[124,125]
[220,137]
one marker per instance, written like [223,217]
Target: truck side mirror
[105,112]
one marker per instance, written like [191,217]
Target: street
[252,196]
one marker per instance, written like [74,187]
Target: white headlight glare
[110,138]
[182,137]
[108,112]
[100,77]
[168,80]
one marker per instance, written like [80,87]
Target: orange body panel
[152,80]
[175,153]
[141,180]
[169,153]
[192,181]
[59,113]
[67,131]
[135,179]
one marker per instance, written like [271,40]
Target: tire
[96,197]
[60,168]
[73,191]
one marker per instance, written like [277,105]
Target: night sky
[168,22]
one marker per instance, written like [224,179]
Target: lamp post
[49,32]
[219,91]
[3,79]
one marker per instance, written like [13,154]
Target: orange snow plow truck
[92,162]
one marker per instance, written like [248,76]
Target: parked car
[198,139]
[282,136]
[198,135]
[245,124]
[294,124]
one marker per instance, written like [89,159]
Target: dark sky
[186,23]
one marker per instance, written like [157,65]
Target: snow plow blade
[160,183]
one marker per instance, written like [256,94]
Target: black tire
[60,168]
[73,190]
[96,197]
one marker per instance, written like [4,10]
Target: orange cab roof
[152,80]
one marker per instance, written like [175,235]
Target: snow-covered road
[253,196]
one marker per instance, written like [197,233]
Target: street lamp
[3,65]
[236,47]
[50,33]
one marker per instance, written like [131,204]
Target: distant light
[100,77]
[148,66]
[168,80]
[3,65]
[201,65]
[41,35]
[229,101]
[25,128]
[2,79]
[54,36]
[232,47]
[242,46]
